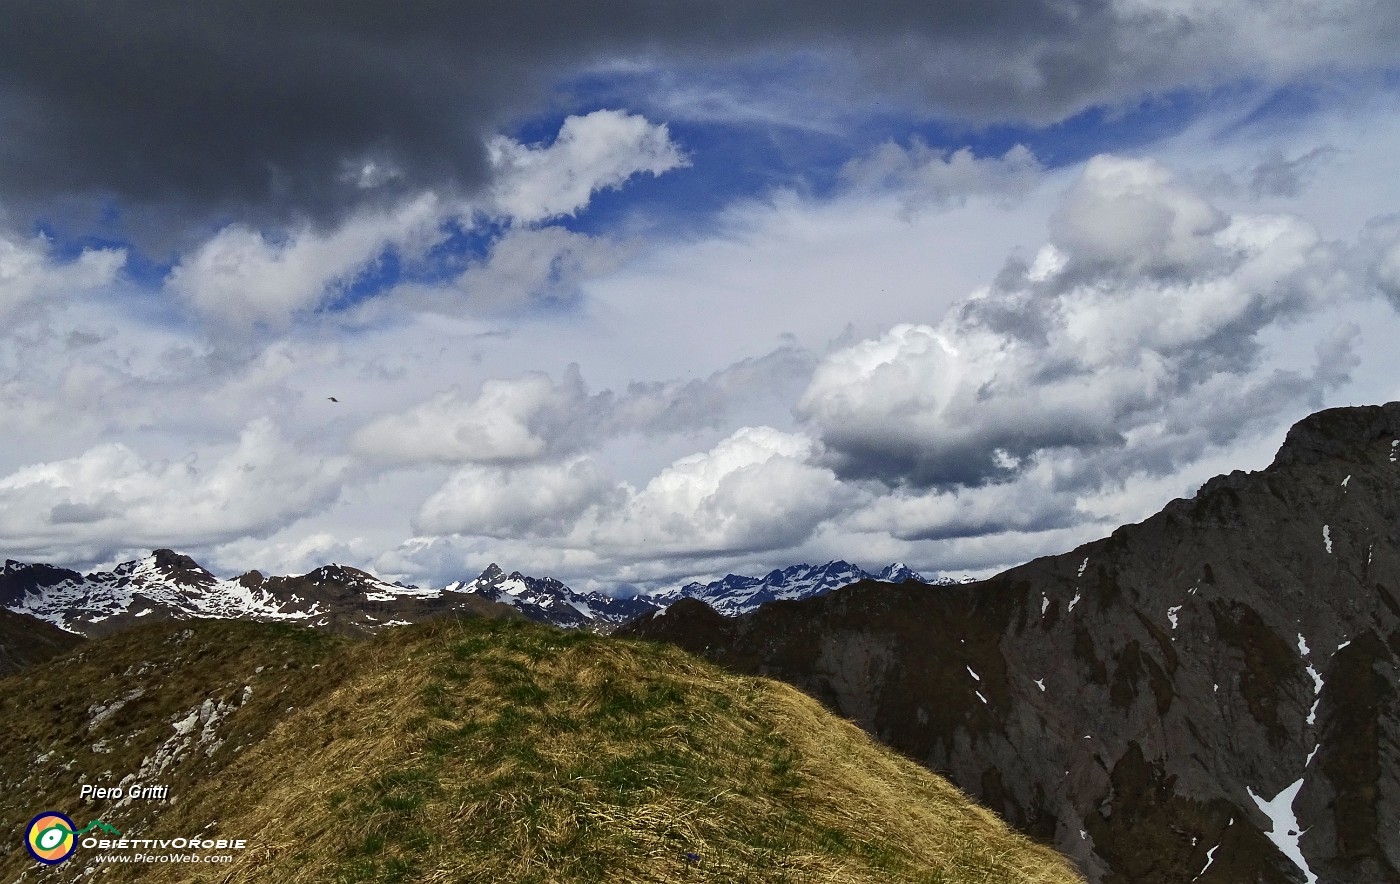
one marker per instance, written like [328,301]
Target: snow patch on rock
[1285,831]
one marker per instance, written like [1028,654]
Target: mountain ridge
[471,749]
[1206,695]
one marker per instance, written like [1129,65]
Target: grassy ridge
[491,751]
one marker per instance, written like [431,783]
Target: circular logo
[50,837]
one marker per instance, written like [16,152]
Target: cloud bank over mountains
[635,296]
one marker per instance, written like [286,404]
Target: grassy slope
[25,641]
[491,751]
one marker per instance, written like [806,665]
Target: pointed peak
[173,566]
[898,572]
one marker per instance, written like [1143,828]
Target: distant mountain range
[735,594]
[166,585]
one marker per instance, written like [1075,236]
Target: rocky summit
[1209,695]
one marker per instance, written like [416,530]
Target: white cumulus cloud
[592,152]
[242,277]
[531,416]
[1140,328]
[757,489]
[493,427]
[923,175]
[1132,217]
[510,502]
[29,273]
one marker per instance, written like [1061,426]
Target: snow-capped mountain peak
[550,601]
[900,573]
[167,567]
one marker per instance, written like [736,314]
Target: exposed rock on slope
[1209,695]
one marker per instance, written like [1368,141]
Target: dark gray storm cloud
[261,109]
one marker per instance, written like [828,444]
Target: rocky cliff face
[1209,695]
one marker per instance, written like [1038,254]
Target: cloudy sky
[630,293]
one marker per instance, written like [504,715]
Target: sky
[635,293]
